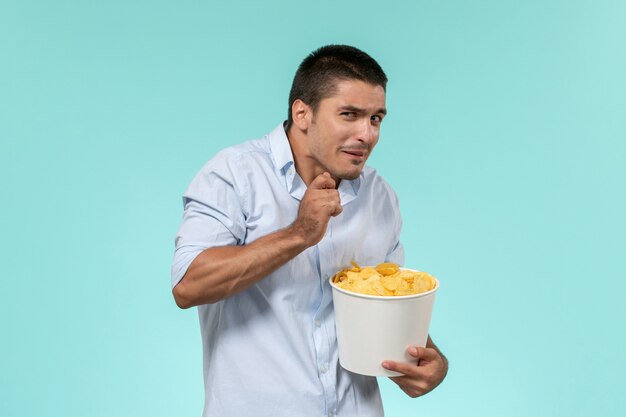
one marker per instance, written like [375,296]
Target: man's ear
[301,114]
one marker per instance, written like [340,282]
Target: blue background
[505,141]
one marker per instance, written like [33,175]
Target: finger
[409,369]
[332,208]
[338,210]
[410,387]
[419,352]
[323,181]
[335,203]
[409,383]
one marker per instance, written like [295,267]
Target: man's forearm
[220,272]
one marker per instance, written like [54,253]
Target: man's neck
[306,166]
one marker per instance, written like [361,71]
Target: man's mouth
[358,154]
[356,151]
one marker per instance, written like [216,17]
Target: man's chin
[351,175]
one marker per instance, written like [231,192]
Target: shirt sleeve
[213,213]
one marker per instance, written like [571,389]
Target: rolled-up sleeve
[213,214]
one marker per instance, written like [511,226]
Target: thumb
[419,352]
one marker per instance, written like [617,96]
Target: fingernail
[413,350]
[385,364]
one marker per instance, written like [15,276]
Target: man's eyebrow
[355,109]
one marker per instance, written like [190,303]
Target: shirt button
[318,323]
[324,368]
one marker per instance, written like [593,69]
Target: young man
[266,223]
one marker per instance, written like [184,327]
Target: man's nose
[366,132]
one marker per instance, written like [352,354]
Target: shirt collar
[284,163]
[280,148]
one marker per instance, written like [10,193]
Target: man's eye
[349,114]
[376,119]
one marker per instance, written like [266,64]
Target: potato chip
[386,279]
[387,268]
[390,282]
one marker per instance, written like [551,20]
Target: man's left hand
[429,369]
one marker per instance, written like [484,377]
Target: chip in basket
[386,279]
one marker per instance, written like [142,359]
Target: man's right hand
[320,202]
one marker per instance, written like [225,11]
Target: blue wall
[505,141]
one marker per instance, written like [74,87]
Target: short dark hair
[318,74]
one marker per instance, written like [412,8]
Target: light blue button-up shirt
[271,350]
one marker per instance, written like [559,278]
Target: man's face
[345,127]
